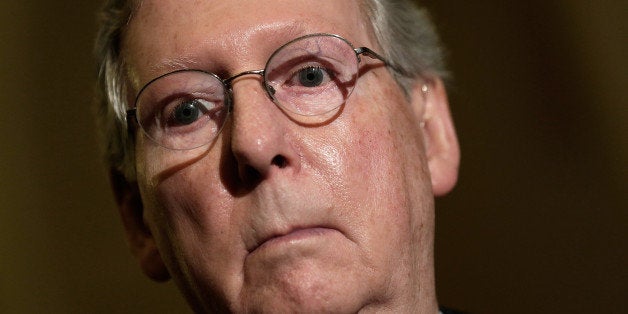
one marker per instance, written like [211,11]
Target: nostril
[279,161]
[250,174]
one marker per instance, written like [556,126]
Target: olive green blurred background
[537,224]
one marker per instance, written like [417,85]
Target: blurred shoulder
[444,310]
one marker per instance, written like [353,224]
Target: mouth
[293,237]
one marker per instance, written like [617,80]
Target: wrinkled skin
[280,217]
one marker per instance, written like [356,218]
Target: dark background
[537,224]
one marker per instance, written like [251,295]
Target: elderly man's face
[276,215]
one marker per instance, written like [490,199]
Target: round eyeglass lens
[312,75]
[182,110]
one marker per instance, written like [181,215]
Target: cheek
[185,195]
[385,170]
[376,176]
[187,209]
[383,145]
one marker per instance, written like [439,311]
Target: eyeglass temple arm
[130,113]
[372,54]
[130,117]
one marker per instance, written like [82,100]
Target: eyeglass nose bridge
[270,91]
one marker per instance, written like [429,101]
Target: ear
[429,99]
[138,235]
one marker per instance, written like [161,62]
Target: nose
[261,135]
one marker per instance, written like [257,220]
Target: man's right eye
[186,112]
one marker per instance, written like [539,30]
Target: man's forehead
[236,19]
[170,33]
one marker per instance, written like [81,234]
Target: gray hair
[404,33]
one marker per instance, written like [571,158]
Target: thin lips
[281,234]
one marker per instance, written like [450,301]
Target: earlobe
[439,135]
[138,235]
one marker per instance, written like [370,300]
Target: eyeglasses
[308,77]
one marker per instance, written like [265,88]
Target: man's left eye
[311,76]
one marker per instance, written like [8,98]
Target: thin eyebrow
[289,31]
[175,64]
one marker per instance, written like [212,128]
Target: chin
[314,284]
[305,298]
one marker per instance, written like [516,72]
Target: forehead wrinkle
[248,49]
[282,30]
